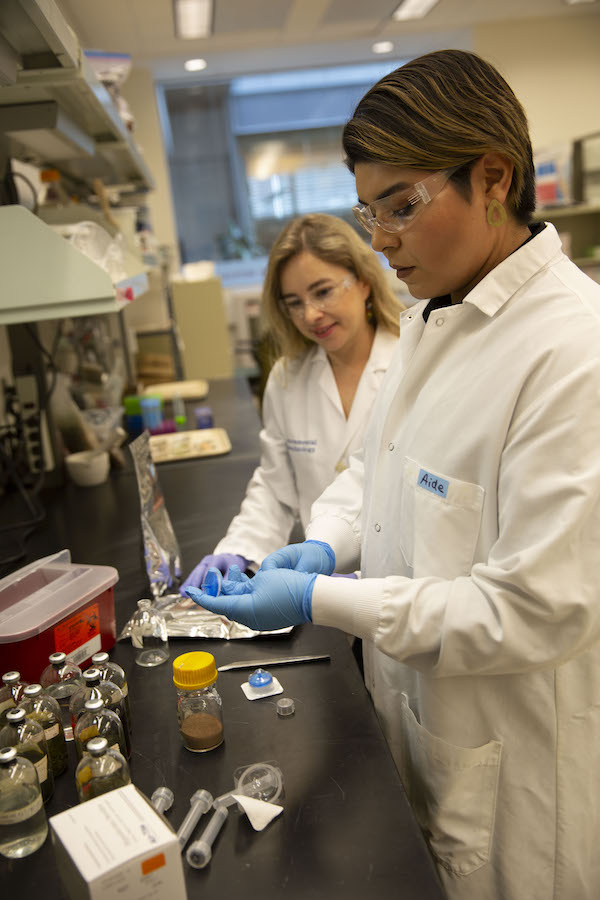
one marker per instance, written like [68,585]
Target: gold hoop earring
[496,214]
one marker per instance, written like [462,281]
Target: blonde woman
[334,319]
[475,508]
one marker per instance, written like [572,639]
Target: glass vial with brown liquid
[199,707]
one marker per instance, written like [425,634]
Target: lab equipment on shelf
[100,770]
[28,738]
[23,823]
[200,852]
[151,410]
[149,635]
[44,710]
[203,416]
[199,706]
[200,802]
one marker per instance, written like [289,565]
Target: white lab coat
[477,518]
[306,440]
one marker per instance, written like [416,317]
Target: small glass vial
[44,710]
[108,691]
[23,822]
[98,721]
[28,738]
[100,770]
[149,635]
[11,693]
[112,671]
[199,707]
[60,679]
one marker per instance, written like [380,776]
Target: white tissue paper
[259,812]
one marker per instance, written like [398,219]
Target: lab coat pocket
[452,791]
[440,518]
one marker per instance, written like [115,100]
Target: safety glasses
[396,212]
[322,297]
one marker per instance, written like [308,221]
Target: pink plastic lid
[42,593]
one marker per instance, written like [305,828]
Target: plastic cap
[286,706]
[16,715]
[11,677]
[194,670]
[97,746]
[7,754]
[100,657]
[94,703]
[57,659]
[260,678]
[32,690]
[92,674]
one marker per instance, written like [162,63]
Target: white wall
[139,92]
[553,66]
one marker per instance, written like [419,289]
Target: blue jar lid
[260,678]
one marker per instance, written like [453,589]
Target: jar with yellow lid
[199,707]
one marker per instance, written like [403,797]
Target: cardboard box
[117,846]
[55,605]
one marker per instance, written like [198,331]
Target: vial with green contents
[108,691]
[44,710]
[98,721]
[60,679]
[100,770]
[23,823]
[28,738]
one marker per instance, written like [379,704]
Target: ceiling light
[573,2]
[382,47]
[413,9]
[193,18]
[195,65]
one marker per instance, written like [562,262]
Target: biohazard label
[79,637]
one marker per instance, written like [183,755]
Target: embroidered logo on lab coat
[432,483]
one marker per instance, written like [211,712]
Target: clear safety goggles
[399,210]
[322,298]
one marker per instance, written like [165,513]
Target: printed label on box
[79,636]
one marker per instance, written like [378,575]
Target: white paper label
[86,650]
[51,732]
[42,768]
[14,816]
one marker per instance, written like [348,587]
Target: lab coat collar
[379,356]
[512,273]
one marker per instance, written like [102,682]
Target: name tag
[433,483]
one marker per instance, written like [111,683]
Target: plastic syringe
[200,852]
[200,802]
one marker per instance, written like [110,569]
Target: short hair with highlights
[333,241]
[445,109]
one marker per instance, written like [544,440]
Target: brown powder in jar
[201,731]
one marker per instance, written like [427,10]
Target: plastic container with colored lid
[54,605]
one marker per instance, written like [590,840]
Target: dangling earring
[370,311]
[496,214]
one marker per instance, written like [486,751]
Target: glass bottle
[95,687]
[100,770]
[23,822]
[149,635]
[98,721]
[28,737]
[60,680]
[44,709]
[11,693]
[199,707]
[112,671]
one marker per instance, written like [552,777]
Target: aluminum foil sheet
[185,618]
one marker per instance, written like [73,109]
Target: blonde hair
[441,110]
[333,241]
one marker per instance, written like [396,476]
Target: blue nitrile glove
[220,561]
[274,599]
[310,556]
[341,575]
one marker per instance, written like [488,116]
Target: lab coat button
[390,446]
[377,527]
[439,321]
